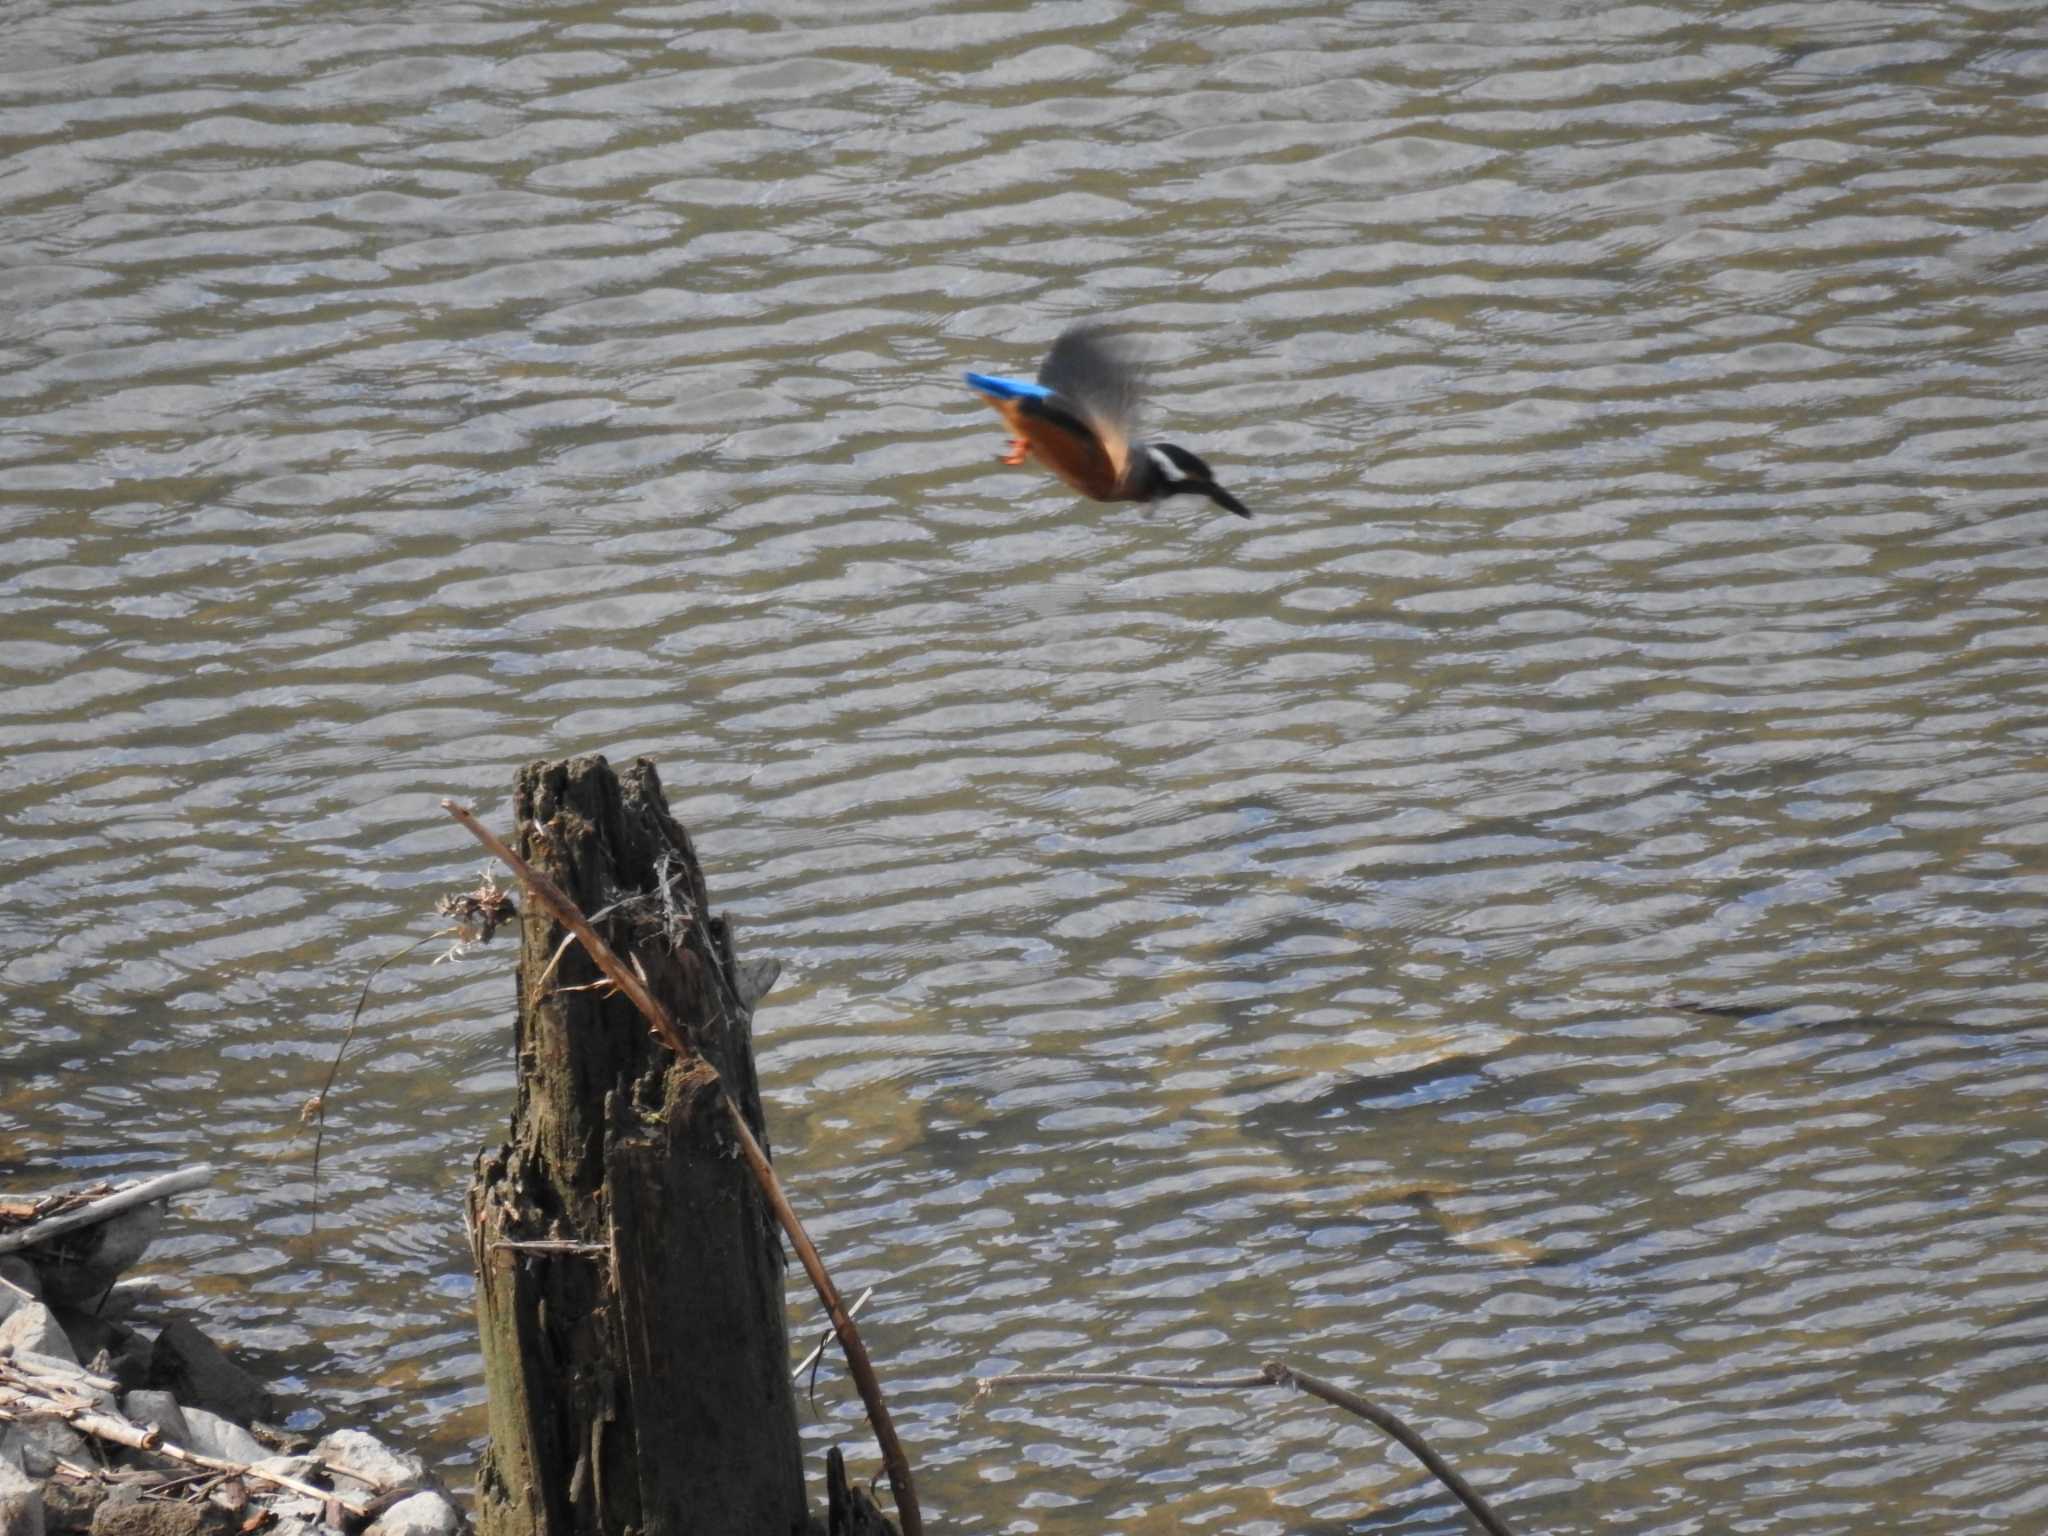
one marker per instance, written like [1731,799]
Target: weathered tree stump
[635,1356]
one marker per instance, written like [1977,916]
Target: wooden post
[636,1358]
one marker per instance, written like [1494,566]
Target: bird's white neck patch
[1163,464]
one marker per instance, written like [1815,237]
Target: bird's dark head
[1176,471]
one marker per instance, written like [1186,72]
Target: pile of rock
[166,1436]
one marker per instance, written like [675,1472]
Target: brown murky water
[1204,939]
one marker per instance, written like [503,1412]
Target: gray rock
[211,1435]
[135,1297]
[68,1507]
[18,1451]
[36,1445]
[160,1409]
[111,1348]
[755,978]
[20,1274]
[369,1461]
[424,1514]
[187,1362]
[121,1519]
[21,1502]
[94,1258]
[33,1327]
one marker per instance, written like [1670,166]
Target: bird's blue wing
[1007,389]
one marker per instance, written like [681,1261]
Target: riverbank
[118,1421]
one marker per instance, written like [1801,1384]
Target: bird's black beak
[1223,498]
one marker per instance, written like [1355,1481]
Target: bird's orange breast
[1064,445]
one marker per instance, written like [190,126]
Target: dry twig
[314,1110]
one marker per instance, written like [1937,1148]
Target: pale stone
[32,1327]
[211,1435]
[368,1460]
[424,1514]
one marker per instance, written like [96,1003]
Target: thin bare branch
[316,1107]
[1282,1374]
[1277,1373]
[858,1365]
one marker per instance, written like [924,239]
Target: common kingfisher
[1077,418]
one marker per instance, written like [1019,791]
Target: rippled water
[1204,939]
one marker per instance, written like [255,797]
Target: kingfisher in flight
[1079,419]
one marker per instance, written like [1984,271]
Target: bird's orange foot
[1016,451]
